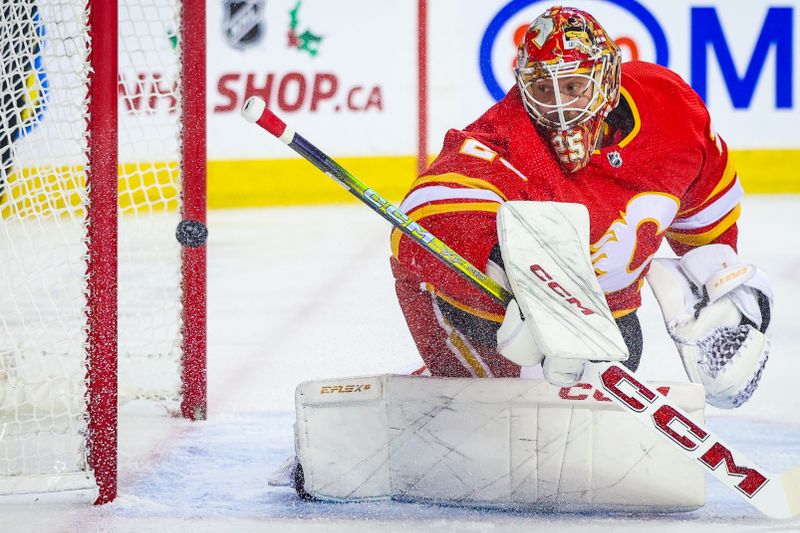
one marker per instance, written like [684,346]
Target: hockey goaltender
[562,192]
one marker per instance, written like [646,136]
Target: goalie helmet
[568,73]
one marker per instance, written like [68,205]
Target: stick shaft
[380,205]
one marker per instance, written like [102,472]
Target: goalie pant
[456,343]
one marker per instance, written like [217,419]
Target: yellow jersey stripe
[727,177]
[438,209]
[637,121]
[621,313]
[711,212]
[699,239]
[493,317]
[459,344]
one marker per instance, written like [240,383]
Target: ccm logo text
[554,286]
[680,429]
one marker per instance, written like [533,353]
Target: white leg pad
[508,443]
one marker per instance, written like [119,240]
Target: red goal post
[102,138]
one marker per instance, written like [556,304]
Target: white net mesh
[149,141]
[42,242]
[43,250]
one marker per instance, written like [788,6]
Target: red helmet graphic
[568,72]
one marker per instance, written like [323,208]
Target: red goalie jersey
[662,172]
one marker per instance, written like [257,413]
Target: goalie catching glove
[717,310]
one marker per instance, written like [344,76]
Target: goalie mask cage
[102,138]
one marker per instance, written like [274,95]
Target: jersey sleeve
[710,206]
[457,201]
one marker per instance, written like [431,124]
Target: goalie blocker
[506,443]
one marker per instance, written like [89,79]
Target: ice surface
[305,293]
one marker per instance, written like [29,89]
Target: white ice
[305,293]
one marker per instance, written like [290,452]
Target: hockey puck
[191,233]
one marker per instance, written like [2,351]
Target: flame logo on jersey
[617,255]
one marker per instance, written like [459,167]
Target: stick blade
[779,499]
[791,488]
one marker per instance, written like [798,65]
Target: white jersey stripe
[433,193]
[713,212]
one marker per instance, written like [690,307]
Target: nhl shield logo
[614,159]
[244,24]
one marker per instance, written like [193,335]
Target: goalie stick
[775,495]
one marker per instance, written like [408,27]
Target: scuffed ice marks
[220,469]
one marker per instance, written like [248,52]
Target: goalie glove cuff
[715,271]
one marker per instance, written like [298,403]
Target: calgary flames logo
[616,257]
[541,30]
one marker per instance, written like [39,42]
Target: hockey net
[60,341]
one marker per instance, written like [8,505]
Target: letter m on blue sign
[777,31]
